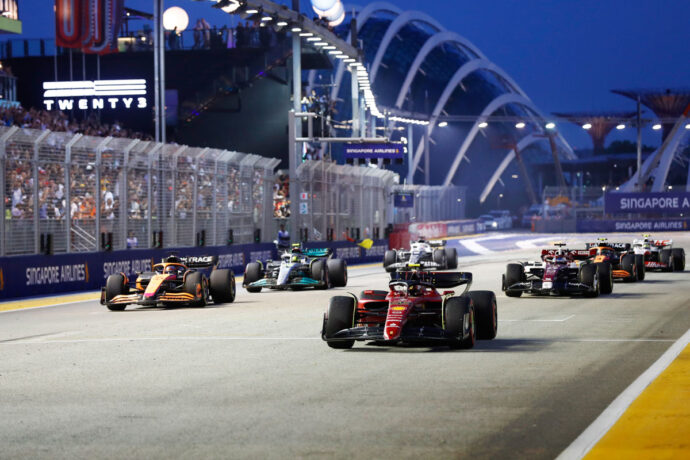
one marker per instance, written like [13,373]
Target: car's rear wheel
[605,277]
[451,258]
[486,314]
[678,256]
[222,286]
[666,258]
[389,258]
[337,271]
[459,322]
[252,273]
[340,315]
[639,263]
[195,284]
[440,257]
[515,273]
[589,275]
[628,263]
[319,272]
[115,286]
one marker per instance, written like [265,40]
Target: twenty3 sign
[99,94]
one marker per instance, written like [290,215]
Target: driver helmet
[560,259]
[173,269]
[295,259]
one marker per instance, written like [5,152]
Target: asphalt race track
[253,378]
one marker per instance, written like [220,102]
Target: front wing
[181,298]
[272,283]
[540,287]
[375,333]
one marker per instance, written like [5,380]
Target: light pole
[159,71]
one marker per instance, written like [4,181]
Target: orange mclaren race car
[192,281]
[625,264]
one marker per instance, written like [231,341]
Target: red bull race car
[659,254]
[188,281]
[560,271]
[413,312]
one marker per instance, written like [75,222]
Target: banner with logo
[647,203]
[633,225]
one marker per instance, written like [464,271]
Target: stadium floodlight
[349,60]
[514,176]
[306,34]
[520,125]
[483,124]
[319,43]
[687,126]
[281,24]
[329,47]
[656,127]
[175,17]
[335,52]
[550,125]
[341,56]
[443,124]
[295,29]
[313,39]
[587,126]
[323,5]
[620,126]
[251,11]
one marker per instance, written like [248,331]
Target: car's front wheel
[115,286]
[197,285]
[340,315]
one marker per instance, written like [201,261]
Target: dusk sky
[567,55]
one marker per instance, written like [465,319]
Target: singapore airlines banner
[669,203]
[91,25]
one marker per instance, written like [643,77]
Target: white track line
[584,443]
[475,247]
[149,339]
[537,320]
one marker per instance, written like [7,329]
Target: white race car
[427,254]
[660,254]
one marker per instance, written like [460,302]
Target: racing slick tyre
[451,258]
[639,263]
[389,258]
[252,273]
[515,273]
[341,315]
[665,257]
[195,284]
[678,256]
[337,271]
[628,263]
[589,275]
[605,277]
[485,313]
[440,258]
[319,271]
[114,286]
[463,333]
[222,286]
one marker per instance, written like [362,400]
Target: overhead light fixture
[443,124]
[329,47]
[656,127]
[266,19]
[313,39]
[620,126]
[348,60]
[251,11]
[306,34]
[295,29]
[483,124]
[341,56]
[319,43]
[550,125]
[520,125]
[687,126]
[587,126]
[335,52]
[514,176]
[281,24]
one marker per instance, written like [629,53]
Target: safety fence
[337,200]
[67,193]
[428,203]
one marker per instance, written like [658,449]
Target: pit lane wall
[36,275]
[404,233]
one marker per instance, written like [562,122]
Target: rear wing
[608,244]
[317,252]
[441,280]
[662,243]
[576,254]
[437,243]
[200,261]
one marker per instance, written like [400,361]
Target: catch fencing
[339,200]
[428,203]
[69,193]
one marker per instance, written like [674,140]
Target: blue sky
[566,54]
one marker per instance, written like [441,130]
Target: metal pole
[355,101]
[71,76]
[427,175]
[295,128]
[639,145]
[410,155]
[156,75]
[161,69]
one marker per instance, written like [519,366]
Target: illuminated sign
[99,94]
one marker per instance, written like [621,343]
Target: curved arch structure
[523,144]
[514,94]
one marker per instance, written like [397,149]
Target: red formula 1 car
[412,311]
